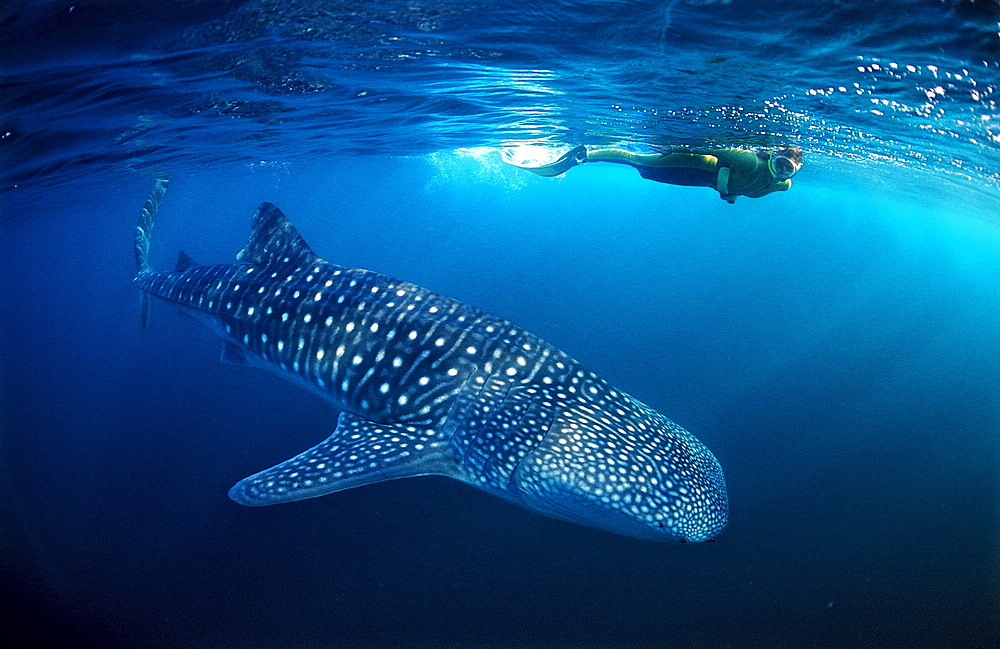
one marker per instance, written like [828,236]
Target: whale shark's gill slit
[505,432]
[543,433]
[473,392]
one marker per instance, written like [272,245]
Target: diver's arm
[746,173]
[743,161]
[781,186]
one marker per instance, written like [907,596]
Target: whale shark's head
[635,473]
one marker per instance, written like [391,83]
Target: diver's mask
[782,167]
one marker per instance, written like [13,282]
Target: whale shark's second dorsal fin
[184,262]
[273,239]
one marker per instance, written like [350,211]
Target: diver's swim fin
[566,161]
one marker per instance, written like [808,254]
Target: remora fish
[430,386]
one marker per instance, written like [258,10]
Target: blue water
[836,346]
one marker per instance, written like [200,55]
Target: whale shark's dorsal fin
[273,239]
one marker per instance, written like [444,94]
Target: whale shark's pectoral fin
[359,452]
[233,355]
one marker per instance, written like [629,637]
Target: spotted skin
[428,385]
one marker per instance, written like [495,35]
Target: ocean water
[836,346]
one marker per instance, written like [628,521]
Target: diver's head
[783,163]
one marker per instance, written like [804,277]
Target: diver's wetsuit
[731,172]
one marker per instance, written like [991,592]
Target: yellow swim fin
[566,161]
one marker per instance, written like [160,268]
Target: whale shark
[427,385]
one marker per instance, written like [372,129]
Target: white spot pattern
[524,418]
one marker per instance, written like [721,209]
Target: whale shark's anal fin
[359,452]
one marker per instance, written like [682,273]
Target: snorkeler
[731,172]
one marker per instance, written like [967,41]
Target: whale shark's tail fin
[145,226]
[143,229]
